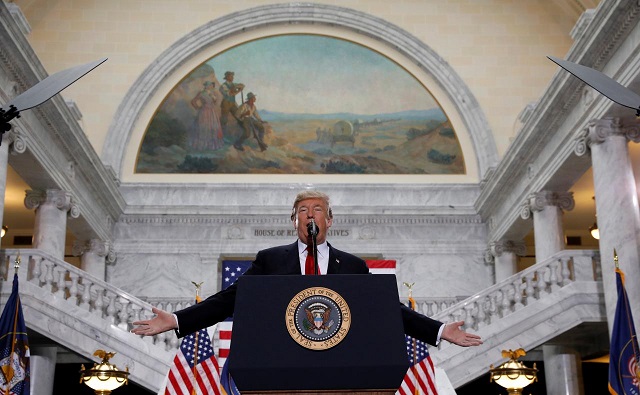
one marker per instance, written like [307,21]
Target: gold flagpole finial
[409,286]
[615,258]
[16,263]
[198,286]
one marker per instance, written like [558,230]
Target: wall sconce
[104,377]
[513,374]
[4,231]
[595,232]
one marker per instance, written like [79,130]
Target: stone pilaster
[563,370]
[616,205]
[52,207]
[547,208]
[94,254]
[43,366]
[504,254]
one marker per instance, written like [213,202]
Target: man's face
[308,209]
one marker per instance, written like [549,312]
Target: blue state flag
[14,347]
[624,369]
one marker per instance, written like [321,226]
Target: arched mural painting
[300,104]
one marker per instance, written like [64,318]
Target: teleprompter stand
[370,358]
[43,91]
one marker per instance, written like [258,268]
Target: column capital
[55,197]
[99,247]
[15,141]
[598,130]
[539,200]
[500,247]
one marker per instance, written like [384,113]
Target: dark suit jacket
[284,260]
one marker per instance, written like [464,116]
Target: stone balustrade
[523,288]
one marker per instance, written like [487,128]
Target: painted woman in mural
[206,131]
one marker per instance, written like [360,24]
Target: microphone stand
[312,232]
[316,268]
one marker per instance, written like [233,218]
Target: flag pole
[412,304]
[195,349]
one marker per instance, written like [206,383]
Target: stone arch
[145,86]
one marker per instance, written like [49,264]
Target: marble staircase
[83,313]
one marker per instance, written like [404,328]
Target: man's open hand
[162,322]
[455,335]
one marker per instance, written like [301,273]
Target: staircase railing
[70,305]
[498,309]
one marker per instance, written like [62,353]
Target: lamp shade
[513,374]
[103,377]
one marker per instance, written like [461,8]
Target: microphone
[312,228]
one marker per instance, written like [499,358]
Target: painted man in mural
[206,131]
[252,124]
[229,90]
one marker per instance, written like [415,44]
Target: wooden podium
[335,334]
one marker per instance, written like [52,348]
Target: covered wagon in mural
[342,132]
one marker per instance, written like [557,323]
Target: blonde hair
[310,194]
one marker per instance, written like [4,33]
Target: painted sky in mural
[300,104]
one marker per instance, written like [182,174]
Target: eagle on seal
[318,316]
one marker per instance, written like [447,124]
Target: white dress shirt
[323,256]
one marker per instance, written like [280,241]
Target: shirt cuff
[437,338]
[175,317]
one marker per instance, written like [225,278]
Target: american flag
[195,369]
[231,270]
[382,266]
[421,377]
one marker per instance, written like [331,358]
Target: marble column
[94,254]
[52,207]
[504,255]
[562,370]
[547,207]
[42,365]
[616,205]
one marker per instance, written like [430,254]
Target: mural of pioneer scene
[300,104]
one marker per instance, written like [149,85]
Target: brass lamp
[513,374]
[104,377]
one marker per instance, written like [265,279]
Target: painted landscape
[189,134]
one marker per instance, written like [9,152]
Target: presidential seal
[318,318]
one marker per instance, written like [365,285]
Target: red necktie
[309,267]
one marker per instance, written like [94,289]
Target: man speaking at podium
[311,215]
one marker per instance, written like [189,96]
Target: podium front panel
[264,356]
